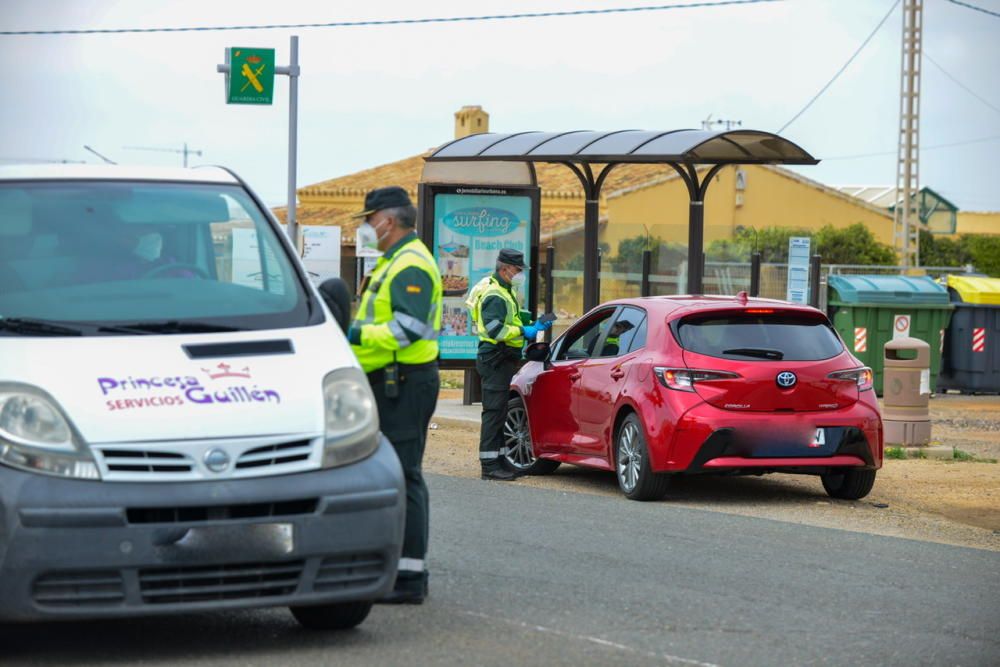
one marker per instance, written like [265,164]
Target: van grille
[338,572]
[79,589]
[144,460]
[273,455]
[219,582]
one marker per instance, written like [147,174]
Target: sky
[371,95]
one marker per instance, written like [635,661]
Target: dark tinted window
[763,338]
[626,334]
[580,341]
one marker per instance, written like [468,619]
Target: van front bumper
[87,549]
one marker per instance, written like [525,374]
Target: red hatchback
[660,386]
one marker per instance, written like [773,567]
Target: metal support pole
[647,261]
[591,260]
[755,274]
[696,241]
[293,132]
[550,288]
[814,264]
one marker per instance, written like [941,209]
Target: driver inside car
[130,252]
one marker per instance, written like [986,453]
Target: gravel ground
[947,502]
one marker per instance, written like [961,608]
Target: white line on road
[595,640]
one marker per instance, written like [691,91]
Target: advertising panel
[469,226]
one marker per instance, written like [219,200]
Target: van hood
[147,388]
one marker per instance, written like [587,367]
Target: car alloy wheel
[629,456]
[517,437]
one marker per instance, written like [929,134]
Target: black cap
[380,198]
[512,257]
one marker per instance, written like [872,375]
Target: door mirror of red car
[537,352]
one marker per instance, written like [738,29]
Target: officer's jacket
[400,312]
[497,315]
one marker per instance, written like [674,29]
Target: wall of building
[978,222]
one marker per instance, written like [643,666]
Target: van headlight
[35,435]
[351,417]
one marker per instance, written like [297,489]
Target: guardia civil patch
[413,289]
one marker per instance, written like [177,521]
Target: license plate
[819,438]
[261,540]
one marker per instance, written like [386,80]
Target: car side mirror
[537,352]
[337,298]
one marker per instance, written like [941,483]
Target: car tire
[848,484]
[517,439]
[632,466]
[339,616]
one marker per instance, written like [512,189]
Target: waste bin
[906,416]
[868,311]
[971,361]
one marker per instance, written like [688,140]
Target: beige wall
[978,222]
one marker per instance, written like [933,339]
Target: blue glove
[354,335]
[543,325]
[530,331]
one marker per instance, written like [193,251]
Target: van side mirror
[537,352]
[337,298]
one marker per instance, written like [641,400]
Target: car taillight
[862,376]
[683,379]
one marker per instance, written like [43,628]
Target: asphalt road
[528,576]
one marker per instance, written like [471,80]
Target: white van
[183,425]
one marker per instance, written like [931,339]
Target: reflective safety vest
[510,333]
[383,331]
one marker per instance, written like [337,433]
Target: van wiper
[168,327]
[761,352]
[31,326]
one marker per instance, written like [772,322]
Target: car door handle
[617,373]
[574,376]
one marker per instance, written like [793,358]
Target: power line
[356,24]
[841,70]
[922,148]
[959,83]
[978,9]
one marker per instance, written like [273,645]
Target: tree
[852,245]
[942,251]
[985,252]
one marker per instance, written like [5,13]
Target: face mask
[149,246]
[518,279]
[380,235]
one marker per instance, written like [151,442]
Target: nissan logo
[216,460]
[786,379]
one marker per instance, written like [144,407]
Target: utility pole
[185,151]
[906,219]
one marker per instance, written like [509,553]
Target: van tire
[339,616]
[850,484]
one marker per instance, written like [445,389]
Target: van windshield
[111,257]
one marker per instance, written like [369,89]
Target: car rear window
[778,337]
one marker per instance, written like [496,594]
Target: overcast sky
[370,95]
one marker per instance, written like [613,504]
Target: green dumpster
[869,311]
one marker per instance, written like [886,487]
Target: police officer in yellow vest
[395,337]
[502,334]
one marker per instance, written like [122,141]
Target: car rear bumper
[86,549]
[709,439]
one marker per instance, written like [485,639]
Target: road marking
[594,640]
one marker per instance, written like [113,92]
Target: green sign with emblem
[251,76]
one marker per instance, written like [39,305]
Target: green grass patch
[959,455]
[895,453]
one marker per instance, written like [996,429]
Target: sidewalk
[452,408]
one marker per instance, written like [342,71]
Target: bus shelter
[508,159]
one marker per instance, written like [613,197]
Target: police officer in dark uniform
[502,334]
[395,337]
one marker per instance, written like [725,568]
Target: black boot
[499,474]
[410,590]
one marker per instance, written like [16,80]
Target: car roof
[108,172]
[684,304]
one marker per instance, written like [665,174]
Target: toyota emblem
[786,379]
[216,460]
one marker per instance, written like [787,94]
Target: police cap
[512,257]
[381,198]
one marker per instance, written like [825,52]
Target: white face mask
[149,246]
[518,279]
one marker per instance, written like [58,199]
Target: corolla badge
[786,379]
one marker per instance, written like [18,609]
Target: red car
[659,386]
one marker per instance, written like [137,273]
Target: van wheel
[632,467]
[517,439]
[339,616]
[850,484]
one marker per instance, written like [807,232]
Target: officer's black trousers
[496,373]
[404,421]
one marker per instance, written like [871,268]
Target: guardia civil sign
[250,79]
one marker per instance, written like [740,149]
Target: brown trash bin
[906,392]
